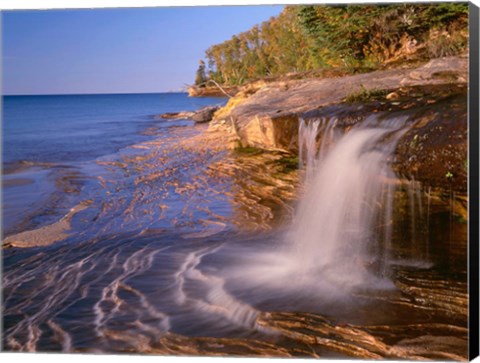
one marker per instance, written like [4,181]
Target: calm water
[50,140]
[83,127]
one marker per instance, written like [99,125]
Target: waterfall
[341,235]
[307,143]
[342,229]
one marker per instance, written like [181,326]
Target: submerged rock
[46,235]
[176,115]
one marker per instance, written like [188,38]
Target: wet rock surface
[434,150]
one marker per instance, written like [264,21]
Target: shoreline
[231,130]
[196,140]
[158,207]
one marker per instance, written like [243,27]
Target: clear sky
[115,50]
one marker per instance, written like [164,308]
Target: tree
[201,77]
[351,37]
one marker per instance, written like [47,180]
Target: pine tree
[201,77]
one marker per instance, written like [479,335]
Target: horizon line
[90,94]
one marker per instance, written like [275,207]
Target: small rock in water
[176,115]
[205,114]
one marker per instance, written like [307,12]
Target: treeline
[352,37]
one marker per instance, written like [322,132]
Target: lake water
[148,236]
[44,135]
[71,128]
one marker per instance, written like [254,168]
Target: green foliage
[289,163]
[248,150]
[446,13]
[338,32]
[353,37]
[355,34]
[200,77]
[443,43]
[365,95]
[462,220]
[271,48]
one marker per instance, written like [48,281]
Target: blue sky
[115,50]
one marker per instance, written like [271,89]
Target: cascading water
[343,225]
[340,238]
[307,143]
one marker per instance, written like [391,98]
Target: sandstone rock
[176,115]
[212,91]
[268,119]
[392,96]
[205,114]
[256,116]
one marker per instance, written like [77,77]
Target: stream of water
[152,261]
[344,221]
